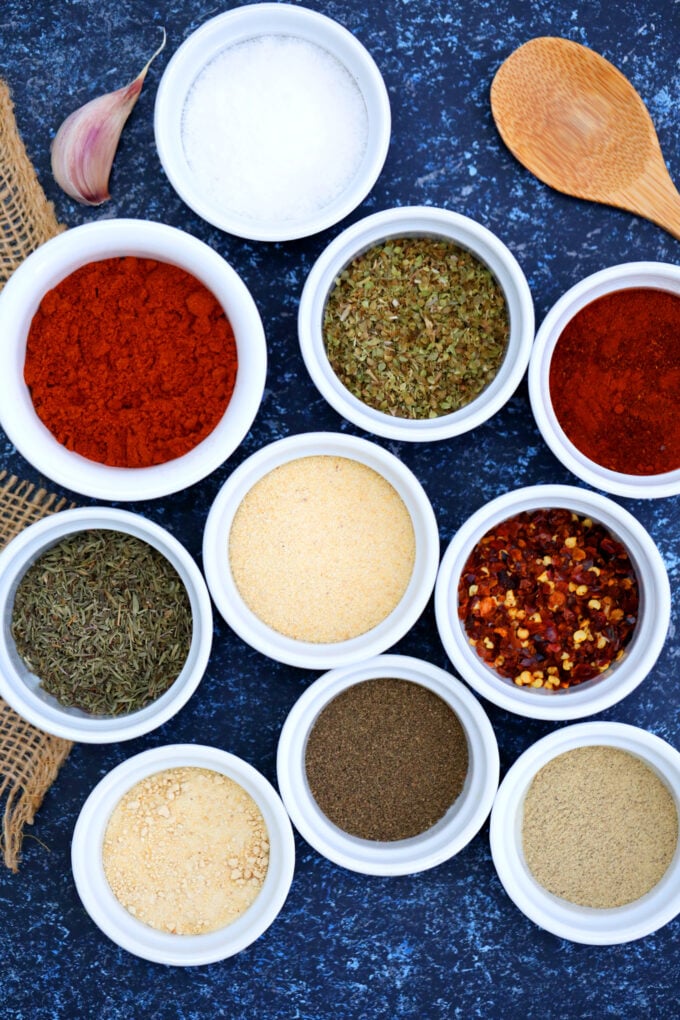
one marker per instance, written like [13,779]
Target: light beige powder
[322,548]
[600,828]
[186,850]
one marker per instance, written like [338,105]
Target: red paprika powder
[615,381]
[130,361]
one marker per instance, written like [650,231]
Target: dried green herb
[416,327]
[104,621]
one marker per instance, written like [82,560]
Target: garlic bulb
[85,145]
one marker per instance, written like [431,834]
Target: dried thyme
[104,621]
[416,327]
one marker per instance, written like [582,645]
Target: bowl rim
[55,259]
[246,624]
[653,622]
[234,26]
[403,857]
[46,714]
[604,281]
[416,221]
[587,925]
[140,939]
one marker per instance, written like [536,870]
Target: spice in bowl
[322,548]
[104,621]
[599,828]
[615,377]
[386,758]
[130,361]
[274,129]
[186,850]
[416,327]
[548,599]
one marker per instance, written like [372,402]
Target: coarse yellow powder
[600,828]
[186,850]
[322,548]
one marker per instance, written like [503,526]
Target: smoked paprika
[548,599]
[615,381]
[130,361]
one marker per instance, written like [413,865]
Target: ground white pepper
[600,828]
[186,850]
[322,548]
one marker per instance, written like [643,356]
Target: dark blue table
[449,942]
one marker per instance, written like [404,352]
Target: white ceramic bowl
[58,258]
[240,617]
[250,22]
[450,834]
[416,221]
[659,275]
[141,939]
[593,695]
[592,926]
[21,688]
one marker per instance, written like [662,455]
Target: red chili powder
[130,361]
[615,381]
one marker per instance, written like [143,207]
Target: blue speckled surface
[447,943]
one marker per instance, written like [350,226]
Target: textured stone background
[449,942]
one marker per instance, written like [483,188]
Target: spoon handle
[655,197]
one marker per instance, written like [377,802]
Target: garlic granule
[186,850]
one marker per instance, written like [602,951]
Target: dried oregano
[103,620]
[416,327]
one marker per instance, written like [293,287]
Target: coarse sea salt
[274,128]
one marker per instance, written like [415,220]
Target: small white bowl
[141,939]
[592,926]
[658,275]
[21,688]
[640,654]
[246,23]
[450,834]
[307,654]
[416,221]
[58,258]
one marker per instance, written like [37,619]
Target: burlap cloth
[29,758]
[27,217]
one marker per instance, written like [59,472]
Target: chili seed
[548,599]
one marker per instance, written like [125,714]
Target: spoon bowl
[578,124]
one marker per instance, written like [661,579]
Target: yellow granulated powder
[186,850]
[322,548]
[600,828]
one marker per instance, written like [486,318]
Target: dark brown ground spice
[386,759]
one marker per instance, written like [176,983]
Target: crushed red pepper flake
[548,599]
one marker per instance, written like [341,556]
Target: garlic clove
[85,145]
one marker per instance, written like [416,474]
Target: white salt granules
[274,128]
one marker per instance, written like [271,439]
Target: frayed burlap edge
[27,219]
[29,758]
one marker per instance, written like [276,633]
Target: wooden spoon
[578,124]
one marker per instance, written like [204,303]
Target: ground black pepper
[386,758]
